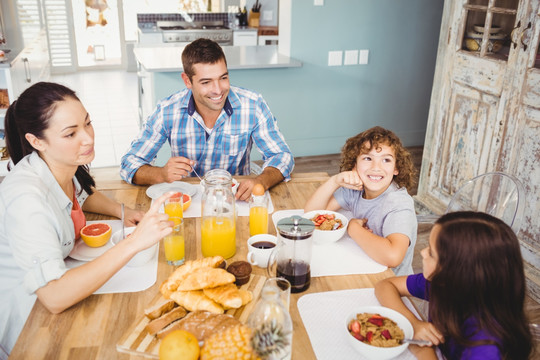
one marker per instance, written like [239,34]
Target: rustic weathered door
[485,108]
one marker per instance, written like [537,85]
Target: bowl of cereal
[330,226]
[377,332]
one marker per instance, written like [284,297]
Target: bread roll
[157,324]
[203,278]
[161,307]
[196,300]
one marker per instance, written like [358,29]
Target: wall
[318,107]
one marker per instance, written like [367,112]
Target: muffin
[241,271]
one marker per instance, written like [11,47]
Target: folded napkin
[127,279]
[242,207]
[344,257]
[324,314]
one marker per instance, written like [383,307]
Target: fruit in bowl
[143,256]
[330,226]
[376,331]
[96,234]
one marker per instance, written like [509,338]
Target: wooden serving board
[137,341]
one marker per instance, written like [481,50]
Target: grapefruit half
[96,235]
[186,200]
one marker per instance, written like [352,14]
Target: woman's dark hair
[30,114]
[479,275]
[201,51]
[373,138]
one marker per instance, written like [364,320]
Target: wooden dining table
[92,328]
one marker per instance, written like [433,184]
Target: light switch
[351,57]
[318,2]
[335,58]
[268,15]
[364,55]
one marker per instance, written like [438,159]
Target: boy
[376,173]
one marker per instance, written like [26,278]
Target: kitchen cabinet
[245,37]
[485,109]
[147,101]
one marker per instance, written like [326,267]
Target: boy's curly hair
[373,138]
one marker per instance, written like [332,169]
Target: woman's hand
[132,216]
[349,180]
[153,226]
[424,330]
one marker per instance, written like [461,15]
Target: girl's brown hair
[364,142]
[479,275]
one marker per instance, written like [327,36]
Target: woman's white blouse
[36,234]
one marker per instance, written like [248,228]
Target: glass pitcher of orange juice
[218,215]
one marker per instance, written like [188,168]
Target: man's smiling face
[210,86]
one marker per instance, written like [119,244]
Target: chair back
[495,193]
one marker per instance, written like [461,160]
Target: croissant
[226,295]
[180,273]
[205,277]
[196,300]
[246,296]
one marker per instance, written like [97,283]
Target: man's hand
[245,188]
[177,168]
[133,217]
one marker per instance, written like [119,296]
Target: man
[209,125]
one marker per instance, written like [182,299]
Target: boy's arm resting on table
[389,251]
[323,197]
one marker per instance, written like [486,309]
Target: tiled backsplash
[153,18]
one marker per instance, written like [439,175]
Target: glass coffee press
[292,257]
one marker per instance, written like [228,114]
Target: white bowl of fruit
[330,226]
[377,332]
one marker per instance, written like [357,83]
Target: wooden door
[485,108]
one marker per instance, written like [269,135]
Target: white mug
[260,247]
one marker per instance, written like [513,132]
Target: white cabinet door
[245,38]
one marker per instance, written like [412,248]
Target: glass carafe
[218,215]
[292,257]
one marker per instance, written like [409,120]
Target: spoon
[122,218]
[192,168]
[416,342]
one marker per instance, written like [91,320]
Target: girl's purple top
[418,286]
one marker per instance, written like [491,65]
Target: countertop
[165,58]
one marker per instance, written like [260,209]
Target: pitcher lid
[295,226]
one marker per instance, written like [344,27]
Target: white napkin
[344,257]
[242,207]
[324,314]
[127,279]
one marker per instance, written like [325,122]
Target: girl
[50,139]
[474,281]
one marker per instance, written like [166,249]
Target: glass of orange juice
[174,206]
[258,215]
[174,243]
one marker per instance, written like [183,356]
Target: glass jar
[271,324]
[218,215]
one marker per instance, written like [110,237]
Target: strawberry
[355,326]
[386,334]
[376,320]
[358,336]
[369,336]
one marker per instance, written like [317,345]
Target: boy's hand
[349,180]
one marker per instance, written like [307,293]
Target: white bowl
[323,237]
[143,256]
[375,352]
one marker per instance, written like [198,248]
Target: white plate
[83,252]
[157,190]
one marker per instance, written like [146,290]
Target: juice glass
[174,206]
[174,243]
[218,237]
[258,220]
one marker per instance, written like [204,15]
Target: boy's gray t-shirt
[389,213]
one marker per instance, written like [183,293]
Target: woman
[50,139]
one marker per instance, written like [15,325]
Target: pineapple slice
[232,343]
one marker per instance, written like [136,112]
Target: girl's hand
[424,330]
[153,226]
[132,216]
[349,180]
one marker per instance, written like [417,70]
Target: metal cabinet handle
[27,70]
[522,34]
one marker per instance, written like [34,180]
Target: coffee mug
[260,247]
